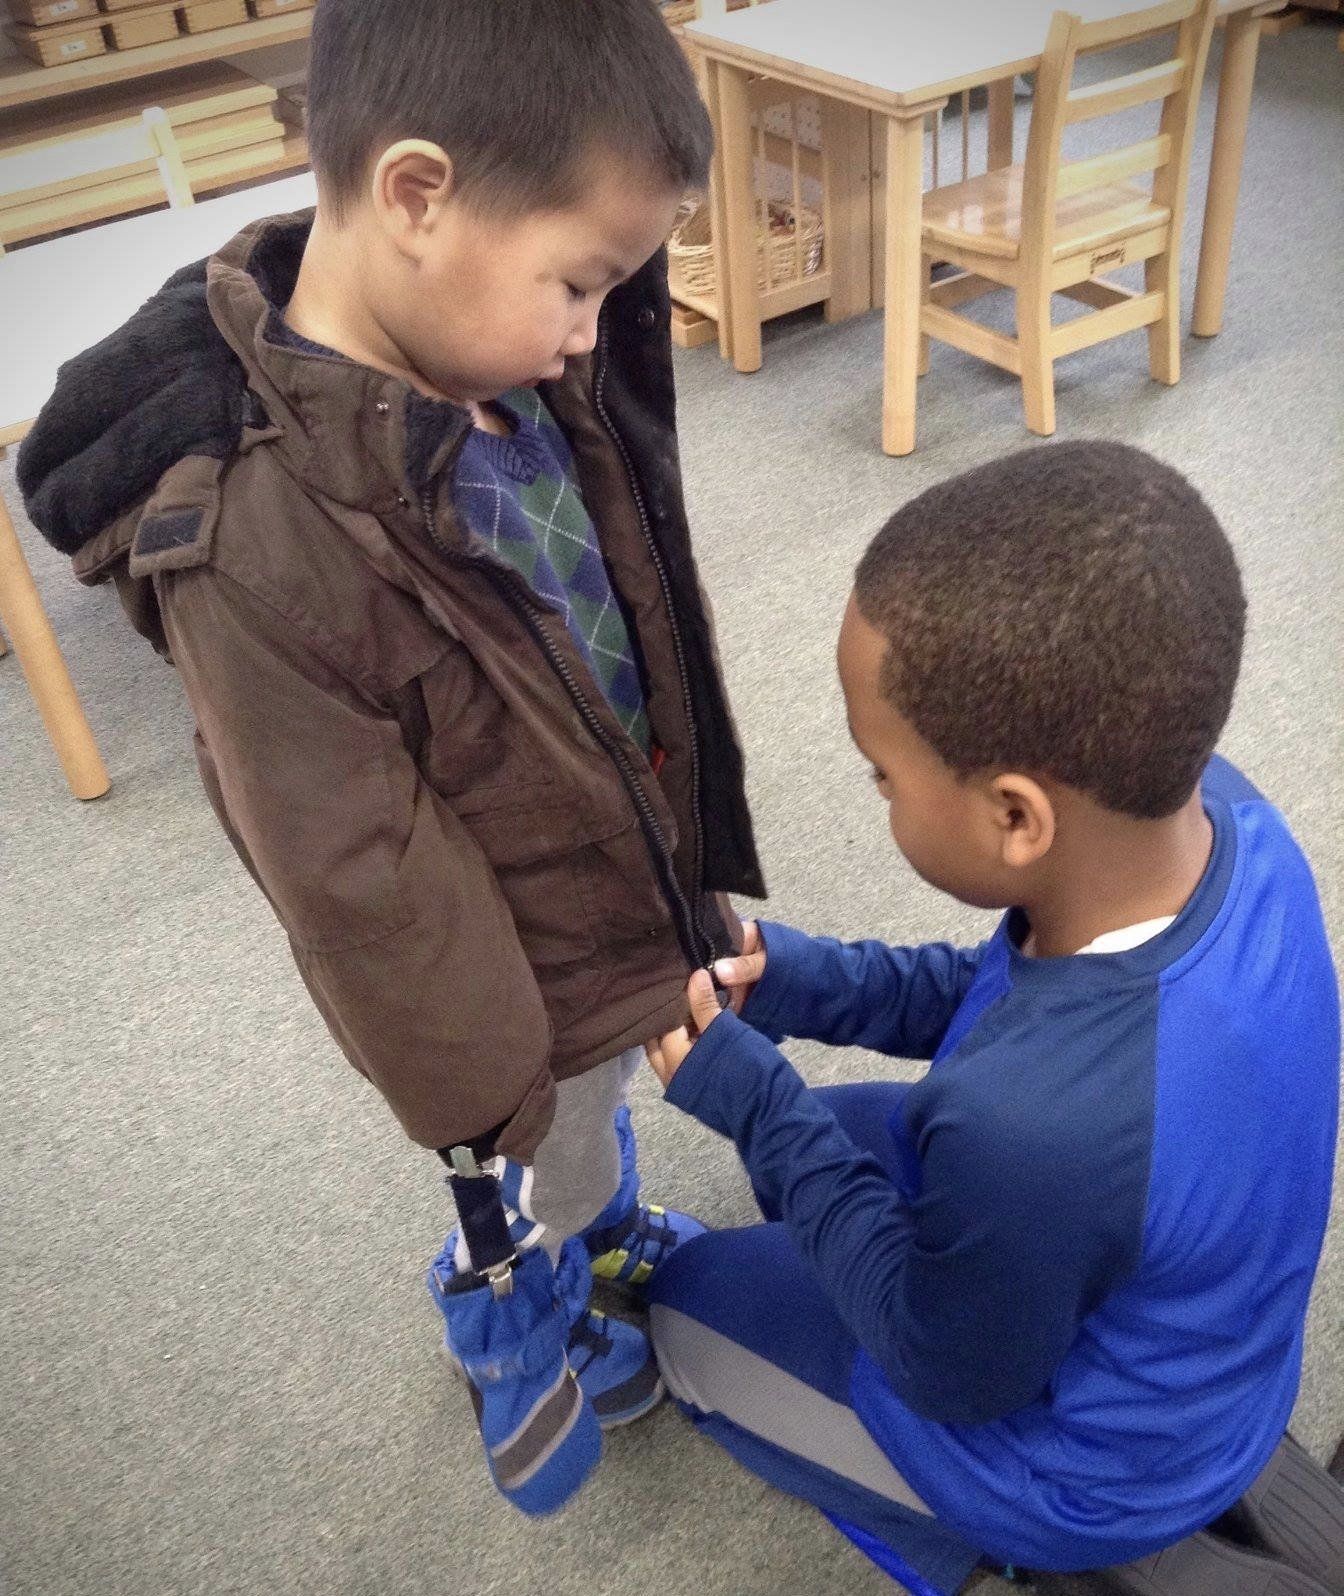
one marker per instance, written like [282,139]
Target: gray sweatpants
[576,1169]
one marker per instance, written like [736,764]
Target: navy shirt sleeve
[897,1001]
[967,1294]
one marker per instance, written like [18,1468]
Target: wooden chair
[1054,226]
[68,166]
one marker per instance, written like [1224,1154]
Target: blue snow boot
[629,1240]
[540,1430]
[614,1364]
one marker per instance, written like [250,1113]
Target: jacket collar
[342,427]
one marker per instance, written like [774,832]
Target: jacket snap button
[382,407]
[646,320]
[403,501]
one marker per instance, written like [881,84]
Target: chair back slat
[1123,94]
[1111,31]
[1076,177]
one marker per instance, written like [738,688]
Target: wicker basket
[691,253]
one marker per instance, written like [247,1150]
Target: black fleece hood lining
[164,386]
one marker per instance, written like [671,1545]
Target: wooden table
[901,60]
[98,279]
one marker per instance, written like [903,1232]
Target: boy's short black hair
[1074,611]
[518,92]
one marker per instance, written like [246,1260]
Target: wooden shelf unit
[23,81]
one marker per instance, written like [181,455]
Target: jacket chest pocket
[472,750]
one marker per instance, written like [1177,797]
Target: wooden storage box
[56,44]
[42,13]
[292,106]
[206,15]
[150,25]
[275,8]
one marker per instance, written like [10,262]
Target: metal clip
[500,1277]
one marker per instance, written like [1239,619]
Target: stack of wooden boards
[53,32]
[227,125]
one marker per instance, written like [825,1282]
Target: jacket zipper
[511,589]
[655,554]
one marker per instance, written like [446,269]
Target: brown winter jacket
[485,886]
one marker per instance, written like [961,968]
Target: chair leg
[35,644]
[926,282]
[1162,274]
[1038,366]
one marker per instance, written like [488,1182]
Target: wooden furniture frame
[782,41]
[1054,226]
[28,629]
[99,278]
[59,168]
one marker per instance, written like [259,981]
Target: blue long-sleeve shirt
[1080,1310]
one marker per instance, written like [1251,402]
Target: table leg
[1240,49]
[1001,103]
[730,106]
[847,204]
[35,644]
[717,223]
[904,205]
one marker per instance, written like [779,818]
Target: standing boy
[396,488]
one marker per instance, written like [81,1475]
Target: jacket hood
[164,386]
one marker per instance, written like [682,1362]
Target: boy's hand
[668,1053]
[738,975]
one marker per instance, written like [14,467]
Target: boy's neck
[330,306]
[1114,871]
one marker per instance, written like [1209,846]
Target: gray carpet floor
[219,1369]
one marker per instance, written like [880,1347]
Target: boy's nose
[582,338]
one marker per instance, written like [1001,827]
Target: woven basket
[691,252]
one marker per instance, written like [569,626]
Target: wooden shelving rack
[22,81]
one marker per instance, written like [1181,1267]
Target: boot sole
[1200,1565]
[1295,1512]
[631,1415]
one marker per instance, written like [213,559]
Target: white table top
[58,298]
[903,52]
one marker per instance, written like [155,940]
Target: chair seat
[984,215]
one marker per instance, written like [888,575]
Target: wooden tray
[206,15]
[42,13]
[130,29]
[60,43]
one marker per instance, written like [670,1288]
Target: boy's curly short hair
[518,92]
[1073,611]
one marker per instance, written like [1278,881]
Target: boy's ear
[1025,817]
[412,184]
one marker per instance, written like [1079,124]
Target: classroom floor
[220,1371]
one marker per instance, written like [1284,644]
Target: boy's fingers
[704,1000]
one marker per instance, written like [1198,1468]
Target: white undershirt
[1121,941]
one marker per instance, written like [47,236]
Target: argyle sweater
[520,496]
